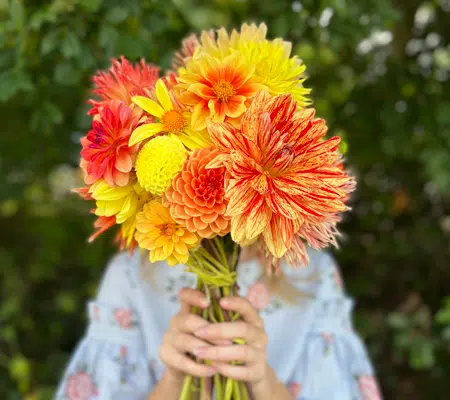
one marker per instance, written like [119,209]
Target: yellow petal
[144,132]
[163,95]
[152,107]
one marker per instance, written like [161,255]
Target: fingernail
[224,302]
[206,302]
[211,371]
[224,342]
[200,351]
[200,332]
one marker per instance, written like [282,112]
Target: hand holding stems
[250,358]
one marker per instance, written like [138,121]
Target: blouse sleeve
[109,362]
[334,364]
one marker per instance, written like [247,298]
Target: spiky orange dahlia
[123,81]
[196,197]
[217,88]
[105,152]
[281,175]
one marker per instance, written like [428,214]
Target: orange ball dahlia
[105,152]
[197,196]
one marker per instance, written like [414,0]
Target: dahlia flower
[102,224]
[217,88]
[196,196]
[106,152]
[158,162]
[162,236]
[274,66]
[123,81]
[173,120]
[281,174]
[121,202]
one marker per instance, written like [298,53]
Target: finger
[232,330]
[242,353]
[191,297]
[188,323]
[185,342]
[243,307]
[237,372]
[171,357]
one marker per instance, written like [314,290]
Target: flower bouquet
[219,153]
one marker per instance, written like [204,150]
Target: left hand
[252,354]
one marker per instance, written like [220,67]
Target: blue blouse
[312,345]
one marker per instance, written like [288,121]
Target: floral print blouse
[312,345]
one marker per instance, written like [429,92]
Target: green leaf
[50,41]
[71,46]
[66,74]
[91,5]
[12,82]
[117,15]
[17,12]
[129,46]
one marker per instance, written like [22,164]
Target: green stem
[219,245]
[187,387]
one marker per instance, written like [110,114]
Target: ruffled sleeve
[334,364]
[109,362]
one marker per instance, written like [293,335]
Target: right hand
[179,339]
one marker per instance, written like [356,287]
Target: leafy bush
[379,73]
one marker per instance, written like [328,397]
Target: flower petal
[162,95]
[152,107]
[144,132]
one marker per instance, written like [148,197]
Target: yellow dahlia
[274,66]
[121,202]
[162,236]
[158,162]
[173,120]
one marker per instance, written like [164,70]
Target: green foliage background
[379,71]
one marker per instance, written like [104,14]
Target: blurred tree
[379,71]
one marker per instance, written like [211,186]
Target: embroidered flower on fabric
[294,389]
[369,388]
[124,318]
[80,387]
[328,337]
[258,295]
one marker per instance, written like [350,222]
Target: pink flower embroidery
[258,295]
[328,337]
[294,389]
[96,313]
[123,318]
[123,352]
[80,387]
[338,278]
[369,388]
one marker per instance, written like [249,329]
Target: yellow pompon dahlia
[158,162]
[162,236]
[274,66]
[173,120]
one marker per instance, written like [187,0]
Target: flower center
[167,229]
[224,90]
[173,121]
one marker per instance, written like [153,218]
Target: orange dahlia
[281,176]
[102,224]
[196,197]
[105,152]
[159,233]
[123,81]
[215,88]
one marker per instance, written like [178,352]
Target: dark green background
[379,71]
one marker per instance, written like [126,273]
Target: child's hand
[179,339]
[252,355]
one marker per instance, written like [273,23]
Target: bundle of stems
[216,277]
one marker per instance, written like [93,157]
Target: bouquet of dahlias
[220,153]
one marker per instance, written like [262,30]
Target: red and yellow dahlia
[196,197]
[217,88]
[122,82]
[105,152]
[281,174]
